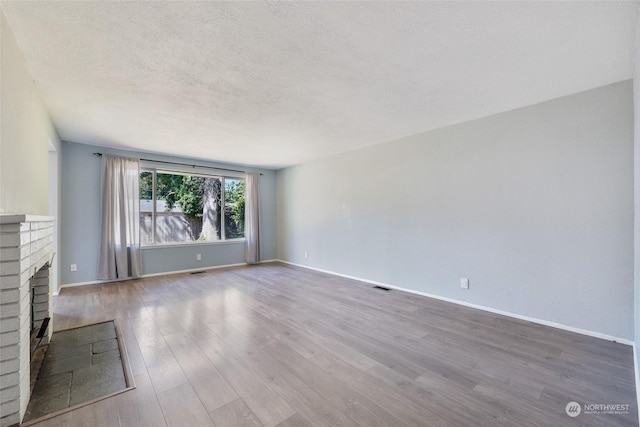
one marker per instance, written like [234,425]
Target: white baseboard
[479,307]
[191,270]
[92,282]
[373,282]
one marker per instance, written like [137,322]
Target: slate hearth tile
[60,352]
[52,385]
[96,381]
[55,366]
[105,356]
[95,333]
[68,338]
[68,377]
[49,403]
[106,345]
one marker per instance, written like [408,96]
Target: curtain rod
[186,164]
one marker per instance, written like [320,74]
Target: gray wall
[534,206]
[81,220]
[24,135]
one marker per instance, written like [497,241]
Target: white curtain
[252,253]
[120,232]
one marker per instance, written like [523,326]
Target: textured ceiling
[275,84]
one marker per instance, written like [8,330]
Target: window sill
[190,244]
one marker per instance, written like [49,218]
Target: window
[177,207]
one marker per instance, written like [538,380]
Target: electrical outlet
[306,255]
[198,257]
[73,267]
[464,283]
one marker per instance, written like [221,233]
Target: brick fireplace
[26,250]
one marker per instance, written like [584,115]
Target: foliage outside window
[182,208]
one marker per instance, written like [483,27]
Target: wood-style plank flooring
[275,345]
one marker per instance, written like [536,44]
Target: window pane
[146,205]
[233,208]
[187,208]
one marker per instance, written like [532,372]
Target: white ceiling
[276,84]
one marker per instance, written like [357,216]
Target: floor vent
[382,288]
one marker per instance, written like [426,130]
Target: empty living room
[293,214]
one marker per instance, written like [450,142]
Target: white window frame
[191,171]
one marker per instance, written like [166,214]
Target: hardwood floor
[275,345]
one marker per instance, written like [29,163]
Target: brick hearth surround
[26,248]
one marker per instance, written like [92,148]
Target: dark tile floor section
[80,365]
